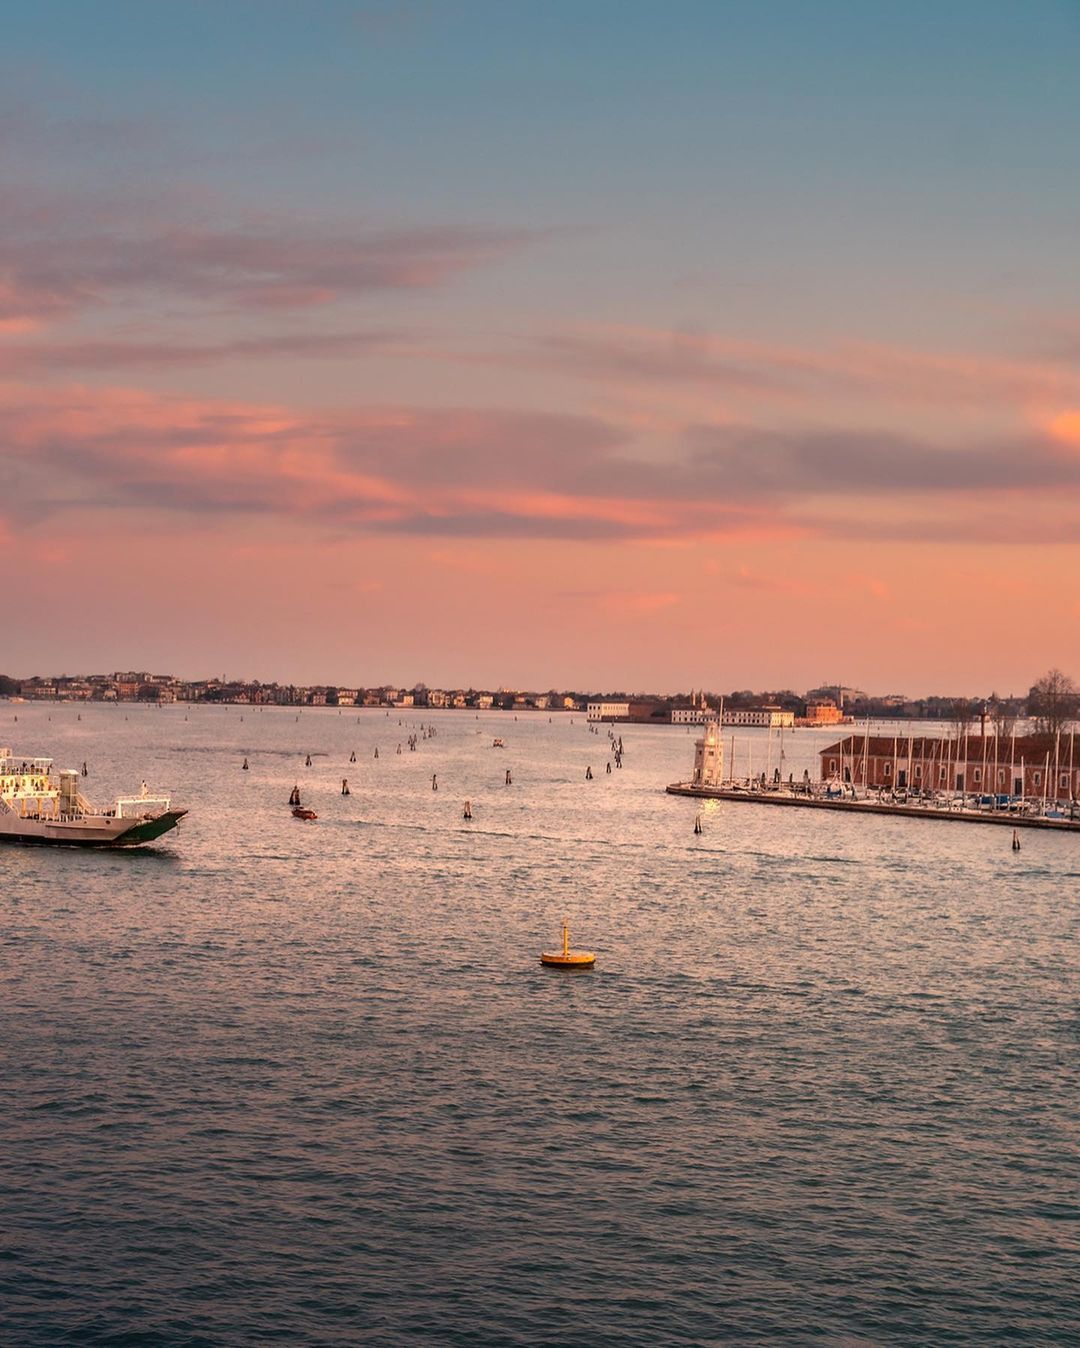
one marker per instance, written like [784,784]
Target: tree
[962,714]
[1053,703]
[1002,713]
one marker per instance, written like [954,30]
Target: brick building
[1039,766]
[822,711]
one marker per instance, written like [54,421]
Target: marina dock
[911,810]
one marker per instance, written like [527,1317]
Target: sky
[590,344]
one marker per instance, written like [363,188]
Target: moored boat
[40,806]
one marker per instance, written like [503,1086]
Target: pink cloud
[25,304]
[730,365]
[644,601]
[482,474]
[42,357]
[62,253]
[797,586]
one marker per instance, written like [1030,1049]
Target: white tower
[709,756]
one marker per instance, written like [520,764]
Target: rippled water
[275,1082]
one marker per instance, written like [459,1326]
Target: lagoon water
[308,1083]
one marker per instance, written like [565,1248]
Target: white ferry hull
[88,831]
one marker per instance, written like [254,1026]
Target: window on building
[832,764]
[943,773]
[978,774]
[1037,779]
[1063,780]
[918,771]
[1001,776]
[888,769]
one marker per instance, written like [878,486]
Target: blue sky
[837,147]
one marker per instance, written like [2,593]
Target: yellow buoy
[567,958]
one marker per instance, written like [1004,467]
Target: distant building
[690,715]
[77,690]
[769,716]
[823,712]
[608,711]
[650,711]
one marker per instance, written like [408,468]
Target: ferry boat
[40,806]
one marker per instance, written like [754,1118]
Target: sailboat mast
[1057,760]
[984,747]
[866,757]
[951,767]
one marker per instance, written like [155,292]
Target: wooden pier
[783,796]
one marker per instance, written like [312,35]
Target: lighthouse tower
[709,756]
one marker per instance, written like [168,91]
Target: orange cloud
[644,601]
[1066,427]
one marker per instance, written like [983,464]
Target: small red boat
[301,813]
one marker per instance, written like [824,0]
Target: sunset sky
[586,343]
